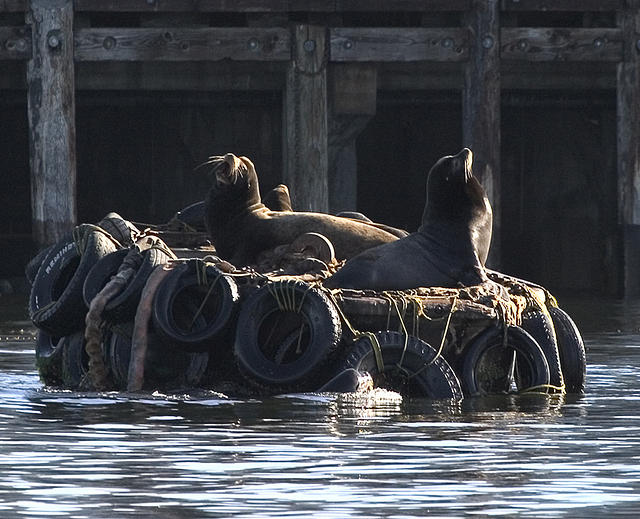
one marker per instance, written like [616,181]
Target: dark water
[76,455]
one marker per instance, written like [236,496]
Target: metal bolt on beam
[309,46]
[53,41]
[487,42]
[109,42]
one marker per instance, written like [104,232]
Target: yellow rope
[546,387]
[373,339]
[206,297]
[442,340]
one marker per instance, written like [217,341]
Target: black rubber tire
[56,304]
[487,362]
[122,308]
[100,274]
[411,366]
[75,361]
[49,359]
[539,325]
[118,353]
[268,329]
[119,228]
[178,301]
[164,368]
[573,357]
[31,268]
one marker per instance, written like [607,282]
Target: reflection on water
[77,455]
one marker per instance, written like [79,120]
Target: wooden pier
[329,59]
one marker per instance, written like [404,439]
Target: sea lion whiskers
[225,169]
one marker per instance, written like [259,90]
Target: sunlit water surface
[65,454]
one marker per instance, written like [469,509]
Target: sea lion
[354,215]
[278,199]
[241,226]
[444,250]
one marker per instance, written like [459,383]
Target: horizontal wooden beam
[561,44]
[562,5]
[359,44]
[147,6]
[402,5]
[15,43]
[248,6]
[398,44]
[208,44]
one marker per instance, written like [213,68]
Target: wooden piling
[481,106]
[628,118]
[51,113]
[352,101]
[305,120]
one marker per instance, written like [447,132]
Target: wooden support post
[481,107]
[628,136]
[352,100]
[305,120]
[51,111]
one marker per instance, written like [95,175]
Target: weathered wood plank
[181,5]
[51,113]
[562,5]
[171,44]
[561,44]
[352,101]
[398,44]
[254,5]
[628,145]
[15,43]
[481,107]
[319,5]
[402,5]
[305,119]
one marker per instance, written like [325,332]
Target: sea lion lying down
[241,226]
[445,250]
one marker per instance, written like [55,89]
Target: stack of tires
[206,327]
[68,275]
[290,338]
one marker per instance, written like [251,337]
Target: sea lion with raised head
[241,226]
[445,250]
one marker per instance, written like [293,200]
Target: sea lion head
[234,178]
[453,193]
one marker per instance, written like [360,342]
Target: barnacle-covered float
[123,306]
